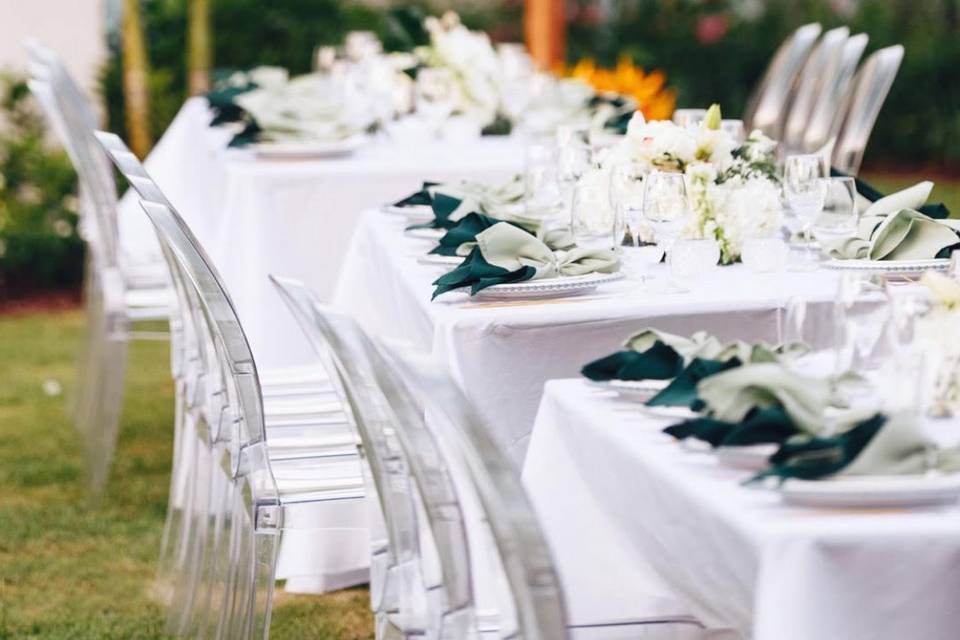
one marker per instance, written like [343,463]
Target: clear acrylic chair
[502,529]
[870,88]
[767,108]
[830,107]
[112,304]
[420,571]
[232,492]
[812,82]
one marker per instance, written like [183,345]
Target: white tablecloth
[636,522]
[295,218]
[502,354]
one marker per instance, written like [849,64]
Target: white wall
[75,29]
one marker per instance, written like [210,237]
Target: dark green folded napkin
[443,208]
[659,362]
[936,210]
[418,198]
[478,274]
[682,391]
[463,232]
[812,457]
[761,426]
[249,135]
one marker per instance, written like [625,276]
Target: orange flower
[649,90]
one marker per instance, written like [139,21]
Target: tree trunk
[545,30]
[198,58]
[136,93]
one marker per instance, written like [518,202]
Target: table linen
[289,217]
[502,352]
[683,527]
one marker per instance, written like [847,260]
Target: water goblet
[805,191]
[840,216]
[666,208]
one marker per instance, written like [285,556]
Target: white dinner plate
[897,268]
[309,150]
[668,413]
[874,491]
[754,457]
[561,287]
[636,390]
[425,234]
[445,261]
[413,213]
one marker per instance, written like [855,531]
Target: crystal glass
[735,128]
[862,313]
[689,117]
[592,220]
[542,196]
[804,188]
[665,206]
[626,199]
[435,96]
[840,216]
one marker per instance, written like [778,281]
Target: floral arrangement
[938,333]
[732,188]
[648,91]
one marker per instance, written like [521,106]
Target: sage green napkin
[880,445]
[892,229]
[461,238]
[870,194]
[506,253]
[451,202]
[731,395]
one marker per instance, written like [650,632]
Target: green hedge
[39,245]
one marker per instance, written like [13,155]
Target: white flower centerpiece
[938,335]
[732,188]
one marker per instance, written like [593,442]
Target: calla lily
[944,289]
[714,118]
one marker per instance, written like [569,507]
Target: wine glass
[626,200]
[735,129]
[805,191]
[573,159]
[840,216]
[592,221]
[665,207]
[542,196]
[689,117]
[435,98]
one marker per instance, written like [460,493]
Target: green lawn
[72,567]
[946,191]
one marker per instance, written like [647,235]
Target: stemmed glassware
[573,159]
[805,191]
[666,208]
[626,200]
[592,224]
[840,217]
[435,100]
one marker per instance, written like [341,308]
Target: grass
[74,567]
[946,191]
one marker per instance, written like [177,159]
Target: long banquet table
[638,521]
[260,216]
[502,352]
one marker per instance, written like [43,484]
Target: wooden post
[545,31]
[198,55]
[136,92]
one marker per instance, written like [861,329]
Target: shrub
[39,244]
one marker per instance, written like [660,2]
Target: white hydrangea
[734,211]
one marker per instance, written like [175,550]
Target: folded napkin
[768,425]
[880,445]
[731,395]
[502,201]
[423,197]
[461,238]
[870,194]
[892,228]
[683,390]
[222,98]
[506,253]
[672,352]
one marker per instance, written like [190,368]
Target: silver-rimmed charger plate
[874,491]
[901,268]
[413,213]
[755,457]
[425,234]
[636,390]
[561,287]
[309,150]
[437,260]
